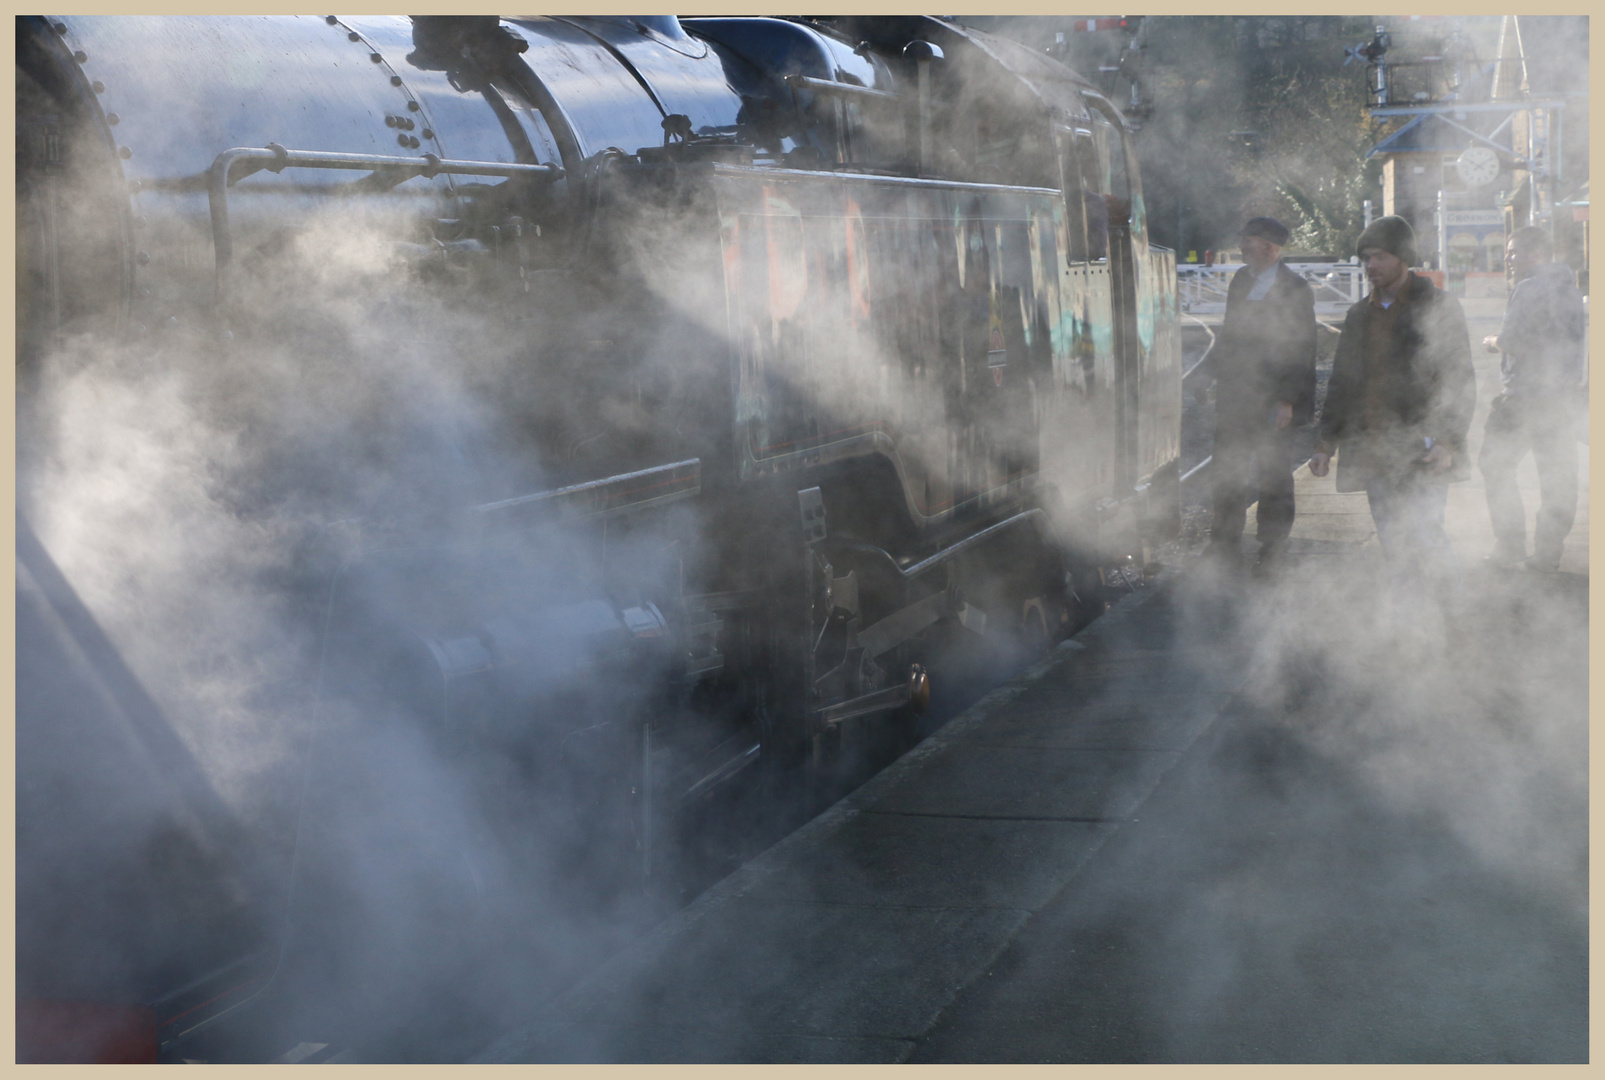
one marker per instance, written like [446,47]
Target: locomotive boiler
[620,406]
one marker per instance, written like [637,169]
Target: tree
[1310,169]
[1251,115]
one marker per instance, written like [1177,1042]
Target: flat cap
[1268,228]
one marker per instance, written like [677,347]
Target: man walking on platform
[1398,406]
[1544,364]
[1264,387]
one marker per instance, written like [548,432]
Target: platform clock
[1477,166]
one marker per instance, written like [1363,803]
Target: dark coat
[1544,336]
[1266,351]
[1429,391]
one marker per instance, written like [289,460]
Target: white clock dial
[1477,166]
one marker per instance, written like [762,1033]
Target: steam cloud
[185,492]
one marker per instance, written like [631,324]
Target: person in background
[1264,366]
[1543,371]
[1397,411]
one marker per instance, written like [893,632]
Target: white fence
[1337,286]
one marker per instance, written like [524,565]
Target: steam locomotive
[661,390]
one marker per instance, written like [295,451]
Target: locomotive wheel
[1035,637]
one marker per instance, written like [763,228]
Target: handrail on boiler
[275,158]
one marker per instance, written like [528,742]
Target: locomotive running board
[613,495]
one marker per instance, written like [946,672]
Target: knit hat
[1267,228]
[1392,234]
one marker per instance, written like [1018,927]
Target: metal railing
[1202,289]
[234,165]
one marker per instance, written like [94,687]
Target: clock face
[1477,166]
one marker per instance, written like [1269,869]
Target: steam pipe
[836,92]
[922,53]
[276,158]
[972,541]
[890,698]
[909,573]
[626,491]
[825,86]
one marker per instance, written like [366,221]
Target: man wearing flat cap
[1264,365]
[1397,410]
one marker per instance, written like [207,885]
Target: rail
[1207,350]
[1199,468]
[1202,289]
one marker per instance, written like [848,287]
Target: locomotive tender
[789,343]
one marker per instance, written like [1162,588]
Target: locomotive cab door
[1145,340]
[1123,210]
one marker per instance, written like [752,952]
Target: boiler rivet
[354,36]
[413,106]
[81,56]
[375,57]
[113,119]
[395,80]
[60,28]
[98,86]
[143,258]
[332,20]
[124,152]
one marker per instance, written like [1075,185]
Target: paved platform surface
[849,939]
[1275,820]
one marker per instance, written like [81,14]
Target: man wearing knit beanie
[1397,410]
[1393,235]
[1264,367]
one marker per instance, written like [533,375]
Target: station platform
[1234,819]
